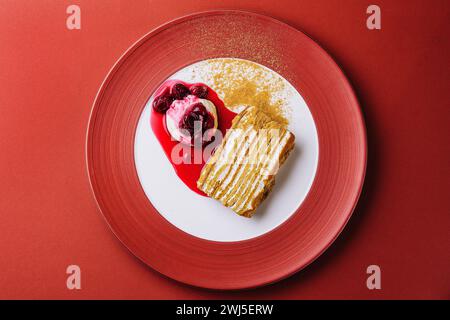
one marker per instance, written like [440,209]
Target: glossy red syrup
[188,172]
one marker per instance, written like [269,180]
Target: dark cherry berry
[200,91]
[179,91]
[197,117]
[162,103]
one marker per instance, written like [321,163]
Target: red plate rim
[159,244]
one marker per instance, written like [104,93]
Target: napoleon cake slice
[241,173]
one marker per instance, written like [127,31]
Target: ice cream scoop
[191,118]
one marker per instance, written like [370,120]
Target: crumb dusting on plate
[243,83]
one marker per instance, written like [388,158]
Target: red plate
[226,265]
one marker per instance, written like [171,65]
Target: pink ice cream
[190,117]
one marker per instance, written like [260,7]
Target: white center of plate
[207,218]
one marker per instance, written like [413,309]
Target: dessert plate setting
[193,94]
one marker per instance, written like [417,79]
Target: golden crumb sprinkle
[244,83]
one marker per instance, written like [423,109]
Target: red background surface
[49,76]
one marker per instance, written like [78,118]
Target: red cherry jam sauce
[188,172]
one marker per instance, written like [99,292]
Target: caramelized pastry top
[241,173]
